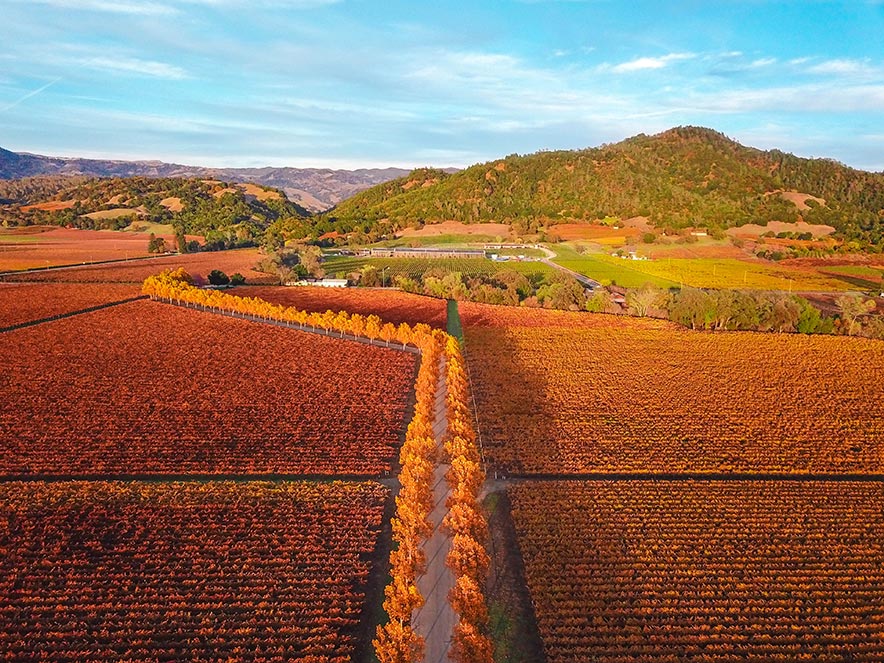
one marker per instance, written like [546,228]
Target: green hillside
[687,176]
[225,214]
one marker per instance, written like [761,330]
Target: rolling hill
[225,214]
[315,189]
[683,177]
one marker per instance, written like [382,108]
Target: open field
[147,388]
[64,246]
[25,302]
[650,571]
[593,232]
[198,264]
[50,206]
[389,305]
[116,213]
[727,273]
[111,571]
[415,267]
[612,394]
[475,232]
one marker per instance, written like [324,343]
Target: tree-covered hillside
[687,176]
[225,214]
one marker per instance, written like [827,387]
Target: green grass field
[722,273]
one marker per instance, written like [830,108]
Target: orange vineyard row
[144,388]
[396,640]
[704,571]
[184,571]
[230,262]
[605,394]
[390,305]
[26,302]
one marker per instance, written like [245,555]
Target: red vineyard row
[27,302]
[390,305]
[184,571]
[242,261]
[632,398]
[704,571]
[145,388]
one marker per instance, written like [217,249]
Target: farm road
[435,621]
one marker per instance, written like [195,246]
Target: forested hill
[688,176]
[221,212]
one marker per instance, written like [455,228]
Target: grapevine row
[198,572]
[396,640]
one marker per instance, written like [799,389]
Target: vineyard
[390,305]
[108,571]
[672,571]
[716,272]
[198,264]
[32,247]
[642,565]
[162,390]
[417,519]
[21,302]
[585,394]
[414,268]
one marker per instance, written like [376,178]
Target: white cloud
[763,62]
[152,8]
[281,4]
[797,98]
[640,64]
[134,66]
[841,66]
[112,6]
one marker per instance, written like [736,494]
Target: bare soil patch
[797,198]
[756,230]
[113,213]
[591,231]
[458,228]
[172,204]
[51,206]
[260,193]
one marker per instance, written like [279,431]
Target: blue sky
[357,83]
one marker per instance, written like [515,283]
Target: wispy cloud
[133,7]
[762,62]
[152,8]
[32,93]
[134,66]
[640,64]
[281,4]
[841,66]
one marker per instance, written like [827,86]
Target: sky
[366,83]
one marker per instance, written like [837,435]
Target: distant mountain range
[315,189]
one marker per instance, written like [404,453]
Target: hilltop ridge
[682,177]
